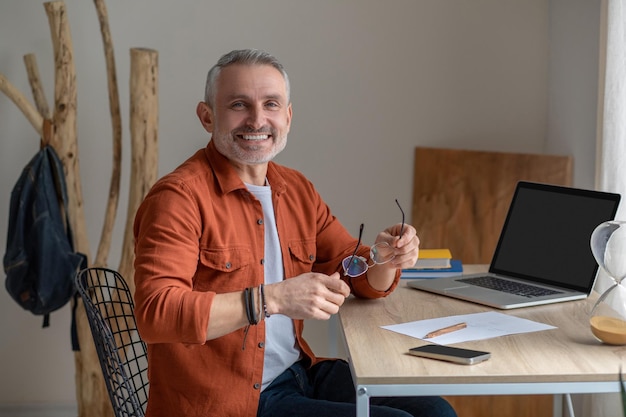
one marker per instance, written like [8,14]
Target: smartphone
[450,354]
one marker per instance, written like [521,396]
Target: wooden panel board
[460,197]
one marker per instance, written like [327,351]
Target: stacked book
[434,263]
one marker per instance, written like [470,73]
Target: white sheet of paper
[479,326]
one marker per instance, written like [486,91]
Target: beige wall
[370,81]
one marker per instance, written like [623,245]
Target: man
[233,252]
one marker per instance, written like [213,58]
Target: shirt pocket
[224,269]
[303,255]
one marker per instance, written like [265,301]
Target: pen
[446,330]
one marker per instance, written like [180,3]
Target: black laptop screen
[547,231]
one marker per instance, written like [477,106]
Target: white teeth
[255,137]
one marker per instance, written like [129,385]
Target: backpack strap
[74,327]
[47,133]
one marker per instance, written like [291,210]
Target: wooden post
[65,138]
[91,392]
[30,61]
[116,121]
[22,103]
[144,123]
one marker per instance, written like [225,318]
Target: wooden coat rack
[59,129]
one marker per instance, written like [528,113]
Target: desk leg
[362,402]
[557,405]
[560,401]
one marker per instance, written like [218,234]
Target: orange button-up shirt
[200,232]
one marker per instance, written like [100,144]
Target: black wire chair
[121,352]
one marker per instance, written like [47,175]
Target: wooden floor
[503,406]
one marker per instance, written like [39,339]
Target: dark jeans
[327,390]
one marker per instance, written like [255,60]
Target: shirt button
[311,257]
[257,386]
[262,261]
[260,221]
[261,345]
[228,265]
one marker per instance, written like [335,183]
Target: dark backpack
[40,262]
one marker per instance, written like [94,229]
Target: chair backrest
[461,197]
[121,352]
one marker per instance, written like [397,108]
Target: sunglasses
[380,253]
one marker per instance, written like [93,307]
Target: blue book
[456,268]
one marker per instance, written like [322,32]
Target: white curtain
[611,173]
[611,151]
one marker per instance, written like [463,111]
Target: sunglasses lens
[357,267]
[381,253]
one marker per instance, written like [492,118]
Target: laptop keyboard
[511,287]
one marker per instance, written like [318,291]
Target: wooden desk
[564,360]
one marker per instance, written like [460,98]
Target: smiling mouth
[256,136]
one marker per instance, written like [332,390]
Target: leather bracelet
[251,311]
[246,303]
[255,311]
[263,303]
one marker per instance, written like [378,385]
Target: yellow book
[433,259]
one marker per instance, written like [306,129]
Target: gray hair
[244,57]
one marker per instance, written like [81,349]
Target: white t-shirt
[280,338]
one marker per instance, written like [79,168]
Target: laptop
[543,254]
